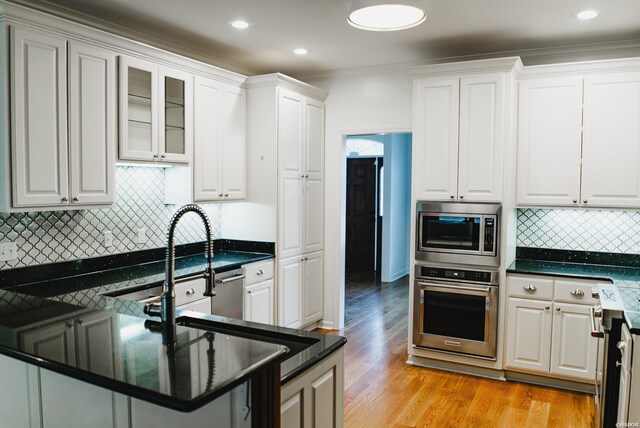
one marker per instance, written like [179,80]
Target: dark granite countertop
[625,278]
[86,290]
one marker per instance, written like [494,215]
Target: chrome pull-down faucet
[167,309]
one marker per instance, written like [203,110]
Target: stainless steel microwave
[458,233]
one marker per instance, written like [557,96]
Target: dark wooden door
[361,212]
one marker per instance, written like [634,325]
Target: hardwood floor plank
[381,390]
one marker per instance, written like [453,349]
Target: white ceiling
[453,28]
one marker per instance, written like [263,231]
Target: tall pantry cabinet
[286,118]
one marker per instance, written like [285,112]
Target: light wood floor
[381,390]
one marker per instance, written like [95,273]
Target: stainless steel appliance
[456,310]
[458,233]
[229,291]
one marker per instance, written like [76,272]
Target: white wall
[361,103]
[397,207]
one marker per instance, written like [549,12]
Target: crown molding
[497,65]
[284,81]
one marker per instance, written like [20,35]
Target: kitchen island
[114,367]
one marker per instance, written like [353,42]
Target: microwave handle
[456,287]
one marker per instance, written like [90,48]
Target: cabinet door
[175,123]
[92,124]
[435,139]
[573,350]
[611,141]
[549,141]
[290,147]
[313,288]
[39,120]
[292,411]
[207,183]
[290,292]
[95,334]
[55,342]
[528,334]
[259,302]
[138,109]
[234,158]
[314,177]
[481,138]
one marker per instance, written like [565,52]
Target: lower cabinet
[301,290]
[544,334]
[258,302]
[202,305]
[315,398]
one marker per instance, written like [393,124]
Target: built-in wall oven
[458,233]
[456,310]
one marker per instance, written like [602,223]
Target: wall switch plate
[142,235]
[8,251]
[108,238]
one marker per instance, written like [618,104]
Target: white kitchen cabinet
[315,398]
[313,191]
[461,120]
[290,292]
[259,302]
[611,141]
[549,141]
[573,350]
[528,337]
[203,306]
[219,168]
[312,288]
[435,139]
[156,112]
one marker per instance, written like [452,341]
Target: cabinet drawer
[574,292]
[531,287]
[189,291]
[258,272]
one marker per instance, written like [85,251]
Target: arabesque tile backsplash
[52,236]
[580,230]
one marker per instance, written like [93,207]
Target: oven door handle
[595,332]
[485,290]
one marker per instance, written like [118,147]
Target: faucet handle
[209,278]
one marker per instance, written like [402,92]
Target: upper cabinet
[63,131]
[578,141]
[156,112]
[461,121]
[219,164]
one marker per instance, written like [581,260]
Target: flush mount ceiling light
[587,14]
[390,15]
[240,24]
[301,51]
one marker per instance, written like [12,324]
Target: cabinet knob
[530,288]
[558,309]
[547,307]
[575,201]
[461,196]
[249,291]
[65,200]
[155,156]
[70,325]
[220,194]
[226,195]
[452,197]
[306,176]
[577,293]
[301,259]
[594,293]
[76,199]
[163,156]
[191,291]
[621,345]
[260,272]
[584,201]
[306,258]
[302,176]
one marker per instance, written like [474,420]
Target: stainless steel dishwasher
[229,289]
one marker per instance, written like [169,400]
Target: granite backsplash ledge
[54,236]
[581,257]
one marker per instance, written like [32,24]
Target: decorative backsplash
[52,236]
[580,230]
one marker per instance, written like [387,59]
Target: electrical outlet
[8,251]
[142,235]
[108,238]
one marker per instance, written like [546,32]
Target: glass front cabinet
[156,112]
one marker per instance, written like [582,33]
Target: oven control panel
[464,275]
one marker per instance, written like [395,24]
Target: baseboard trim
[456,368]
[568,385]
[326,325]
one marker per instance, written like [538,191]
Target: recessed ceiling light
[301,51]
[376,15]
[587,14]
[240,24]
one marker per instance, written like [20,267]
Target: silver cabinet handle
[577,293]
[618,364]
[233,278]
[558,309]
[191,291]
[575,201]
[594,293]
[306,176]
[220,195]
[70,325]
[226,195]
[621,345]
[547,308]
[75,199]
[260,272]
[65,200]
[530,288]
[452,196]
[593,314]
[155,156]
[163,156]
[461,196]
[584,201]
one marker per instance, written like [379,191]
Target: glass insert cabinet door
[156,112]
